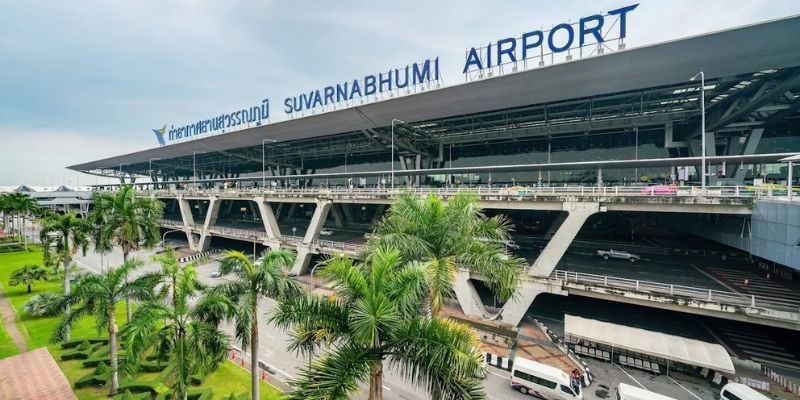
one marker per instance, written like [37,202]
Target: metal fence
[766,305]
[514,191]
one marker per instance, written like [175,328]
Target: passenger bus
[531,377]
[737,391]
[628,392]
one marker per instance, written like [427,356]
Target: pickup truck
[622,255]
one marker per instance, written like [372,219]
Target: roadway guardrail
[767,305]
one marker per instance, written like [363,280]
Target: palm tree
[373,319]
[170,271]
[6,209]
[98,295]
[21,204]
[127,221]
[449,237]
[27,275]
[254,280]
[188,337]
[68,233]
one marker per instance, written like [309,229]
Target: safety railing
[325,244]
[514,191]
[710,295]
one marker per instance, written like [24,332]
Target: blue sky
[90,79]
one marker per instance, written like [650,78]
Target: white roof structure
[675,348]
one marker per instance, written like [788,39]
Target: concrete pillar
[338,217]
[268,218]
[204,243]
[304,254]
[560,218]
[557,246]
[467,296]
[186,212]
[212,213]
[347,209]
[516,307]
[318,220]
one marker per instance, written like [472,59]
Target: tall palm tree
[128,221]
[6,209]
[98,295]
[188,337]
[264,278]
[373,319]
[21,204]
[68,233]
[447,237]
[27,275]
[170,271]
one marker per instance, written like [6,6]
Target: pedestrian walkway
[9,321]
[757,284]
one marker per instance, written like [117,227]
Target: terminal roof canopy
[726,57]
[670,347]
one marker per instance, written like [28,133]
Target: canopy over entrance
[675,348]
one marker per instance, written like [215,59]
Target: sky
[80,81]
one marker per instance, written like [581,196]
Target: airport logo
[160,135]
[255,115]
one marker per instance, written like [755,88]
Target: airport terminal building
[602,150]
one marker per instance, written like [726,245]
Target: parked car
[622,255]
[511,245]
[326,232]
[216,274]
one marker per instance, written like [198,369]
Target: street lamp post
[264,162]
[393,121]
[164,238]
[150,170]
[702,77]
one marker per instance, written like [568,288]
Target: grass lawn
[7,347]
[228,379]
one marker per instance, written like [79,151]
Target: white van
[737,391]
[628,392]
[531,377]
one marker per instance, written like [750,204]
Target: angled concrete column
[560,218]
[347,209]
[338,217]
[515,308]
[320,215]
[210,220]
[304,253]
[292,209]
[557,246]
[212,213]
[268,218]
[467,296]
[204,243]
[186,212]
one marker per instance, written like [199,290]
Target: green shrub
[139,387]
[102,369]
[205,394]
[149,366]
[78,342]
[74,355]
[90,381]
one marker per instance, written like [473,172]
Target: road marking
[502,376]
[629,376]
[687,390]
[270,336]
[387,388]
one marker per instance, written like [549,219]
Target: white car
[326,232]
[216,274]
[622,255]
